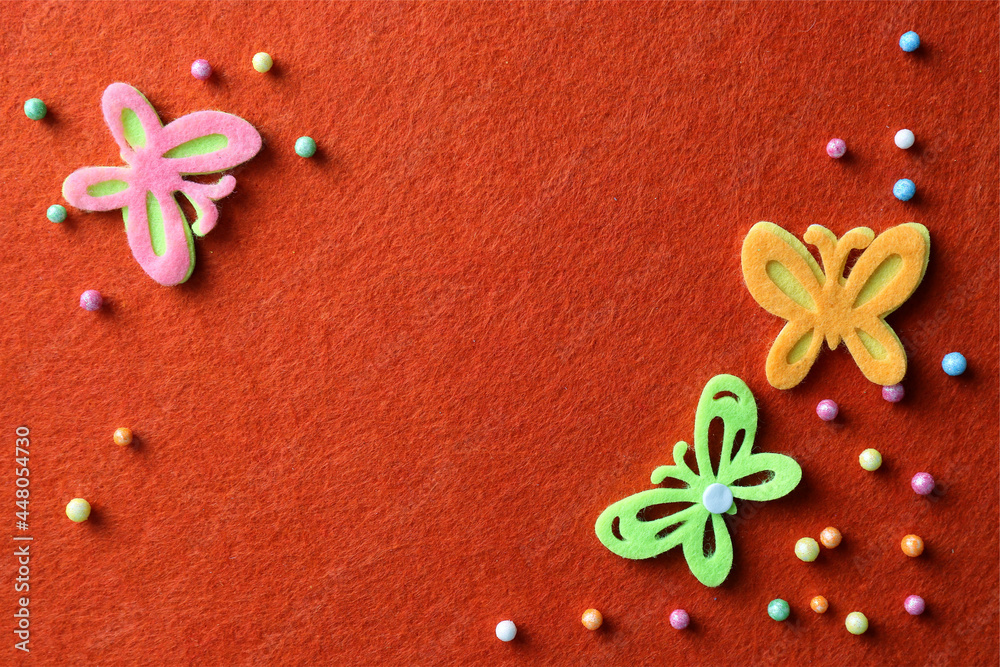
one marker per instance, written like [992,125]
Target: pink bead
[91,300]
[836,148]
[200,69]
[914,605]
[679,619]
[827,410]
[922,483]
[893,393]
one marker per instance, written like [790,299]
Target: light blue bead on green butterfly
[56,213]
[305,147]
[35,109]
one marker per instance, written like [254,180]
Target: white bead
[904,139]
[506,630]
[717,498]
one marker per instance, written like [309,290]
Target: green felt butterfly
[623,528]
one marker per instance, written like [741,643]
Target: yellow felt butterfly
[783,277]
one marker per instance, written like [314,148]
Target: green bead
[56,213]
[305,147]
[35,109]
[778,609]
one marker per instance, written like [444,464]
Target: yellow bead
[819,604]
[123,437]
[262,62]
[870,460]
[856,622]
[830,537]
[912,545]
[78,510]
[592,619]
[806,549]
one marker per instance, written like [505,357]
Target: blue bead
[56,213]
[909,42]
[305,147]
[904,189]
[954,363]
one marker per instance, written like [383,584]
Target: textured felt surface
[408,374]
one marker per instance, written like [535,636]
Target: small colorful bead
[909,41]
[893,393]
[830,537]
[954,364]
[91,300]
[262,62]
[836,148]
[904,189]
[679,619]
[870,460]
[856,622]
[914,605]
[35,109]
[912,545]
[305,147]
[904,139]
[807,549]
[592,619]
[827,410]
[717,498]
[819,604]
[506,631]
[78,510]
[123,437]
[56,213]
[200,69]
[922,483]
[778,609]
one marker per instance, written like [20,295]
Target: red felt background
[407,376]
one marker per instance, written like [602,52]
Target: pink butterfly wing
[176,263]
[119,98]
[232,141]
[100,188]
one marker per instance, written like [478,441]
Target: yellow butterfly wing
[884,277]
[784,278]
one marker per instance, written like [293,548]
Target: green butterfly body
[728,398]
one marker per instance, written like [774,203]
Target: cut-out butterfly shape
[158,157]
[625,528]
[783,277]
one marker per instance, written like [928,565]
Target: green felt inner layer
[209,143]
[134,134]
[788,284]
[801,347]
[154,216]
[879,279]
[105,188]
[873,346]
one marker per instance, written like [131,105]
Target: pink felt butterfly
[158,157]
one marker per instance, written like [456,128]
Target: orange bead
[830,537]
[592,619]
[912,545]
[819,604]
[123,437]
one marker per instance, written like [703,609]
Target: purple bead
[827,410]
[893,393]
[200,69]
[679,619]
[836,148]
[91,300]
[914,605]
[922,483]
